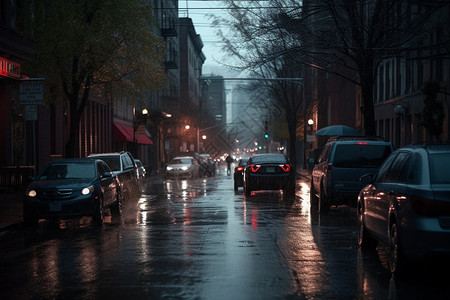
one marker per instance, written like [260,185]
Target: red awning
[123,133]
[120,133]
[143,139]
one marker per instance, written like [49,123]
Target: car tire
[116,208]
[247,191]
[365,241]
[313,199]
[97,216]
[397,262]
[324,204]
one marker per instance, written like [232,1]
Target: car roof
[73,160]
[353,139]
[430,148]
[107,154]
[178,157]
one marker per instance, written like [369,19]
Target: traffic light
[266,129]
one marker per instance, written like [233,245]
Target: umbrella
[339,130]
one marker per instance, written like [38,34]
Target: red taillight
[240,169]
[255,168]
[286,167]
[362,143]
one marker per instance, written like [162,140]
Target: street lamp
[144,112]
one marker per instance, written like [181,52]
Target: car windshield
[439,166]
[181,161]
[360,155]
[112,161]
[269,158]
[68,171]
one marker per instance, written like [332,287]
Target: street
[199,239]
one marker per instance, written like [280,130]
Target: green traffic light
[266,136]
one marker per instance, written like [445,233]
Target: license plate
[270,169]
[55,206]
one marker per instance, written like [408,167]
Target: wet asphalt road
[199,239]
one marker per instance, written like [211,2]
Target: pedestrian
[229,160]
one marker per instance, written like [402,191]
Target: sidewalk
[11,203]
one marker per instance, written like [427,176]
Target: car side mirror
[366,179]
[106,175]
[312,161]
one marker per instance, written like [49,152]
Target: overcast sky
[199,11]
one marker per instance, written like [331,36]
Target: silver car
[182,167]
[407,205]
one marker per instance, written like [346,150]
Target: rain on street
[199,239]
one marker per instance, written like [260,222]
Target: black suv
[123,166]
[343,160]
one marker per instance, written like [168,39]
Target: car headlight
[184,168]
[31,193]
[87,190]
[169,168]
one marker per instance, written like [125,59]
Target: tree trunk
[367,82]
[73,136]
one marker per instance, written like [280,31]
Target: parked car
[182,167]
[407,205]
[268,171]
[123,166]
[238,174]
[142,172]
[343,160]
[71,188]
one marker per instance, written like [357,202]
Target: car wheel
[313,199]
[365,241]
[98,213]
[396,258]
[116,208]
[247,191]
[323,200]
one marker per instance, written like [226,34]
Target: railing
[15,177]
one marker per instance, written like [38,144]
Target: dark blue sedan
[70,188]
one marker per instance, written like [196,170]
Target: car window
[324,154]
[360,155]
[269,158]
[113,162]
[243,161]
[383,171]
[180,161]
[399,169]
[439,165]
[102,168]
[68,171]
[127,162]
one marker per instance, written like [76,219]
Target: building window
[387,81]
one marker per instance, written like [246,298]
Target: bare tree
[349,38]
[86,45]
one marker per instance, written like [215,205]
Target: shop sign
[32,93]
[9,68]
